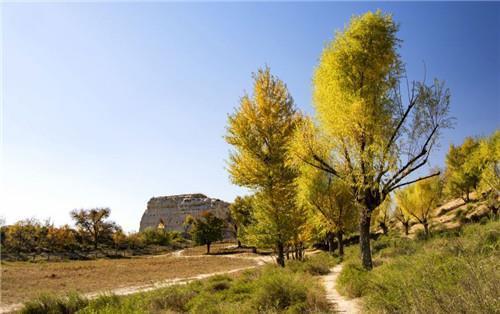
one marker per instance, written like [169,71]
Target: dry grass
[22,281]
[222,248]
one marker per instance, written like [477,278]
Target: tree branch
[403,171]
[413,181]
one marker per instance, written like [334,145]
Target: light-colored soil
[340,303]
[22,281]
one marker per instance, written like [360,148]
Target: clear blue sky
[111,104]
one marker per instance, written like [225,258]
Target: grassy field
[22,281]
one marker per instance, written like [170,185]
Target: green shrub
[50,304]
[156,236]
[353,280]
[279,290]
[219,283]
[175,298]
[317,264]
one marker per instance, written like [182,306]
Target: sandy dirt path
[341,303]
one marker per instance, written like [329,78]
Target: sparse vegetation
[268,290]
[454,272]
[22,281]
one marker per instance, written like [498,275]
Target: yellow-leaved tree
[260,131]
[369,137]
[419,200]
[324,193]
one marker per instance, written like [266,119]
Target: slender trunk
[238,242]
[208,248]
[364,239]
[407,227]
[426,228]
[281,254]
[340,235]
[330,239]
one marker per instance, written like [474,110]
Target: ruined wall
[172,210]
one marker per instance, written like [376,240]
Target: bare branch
[403,172]
[413,181]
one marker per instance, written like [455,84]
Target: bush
[156,236]
[279,290]
[391,246]
[353,280]
[174,298]
[50,304]
[317,264]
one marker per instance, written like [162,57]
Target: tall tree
[207,229]
[374,141]
[260,131]
[420,200]
[92,224]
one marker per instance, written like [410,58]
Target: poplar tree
[259,132]
[375,140]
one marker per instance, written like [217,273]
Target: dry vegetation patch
[22,281]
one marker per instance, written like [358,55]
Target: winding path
[341,303]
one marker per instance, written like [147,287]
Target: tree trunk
[384,228]
[330,239]
[364,239]
[407,227]
[208,248]
[426,228]
[281,254]
[340,235]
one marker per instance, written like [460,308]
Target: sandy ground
[340,303]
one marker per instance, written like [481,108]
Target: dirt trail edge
[341,303]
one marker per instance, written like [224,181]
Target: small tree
[92,224]
[419,200]
[330,197]
[403,218]
[463,171]
[383,215]
[207,229]
[241,216]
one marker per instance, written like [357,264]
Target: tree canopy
[260,131]
[369,137]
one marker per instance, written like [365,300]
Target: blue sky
[109,104]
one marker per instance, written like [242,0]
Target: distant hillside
[451,214]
